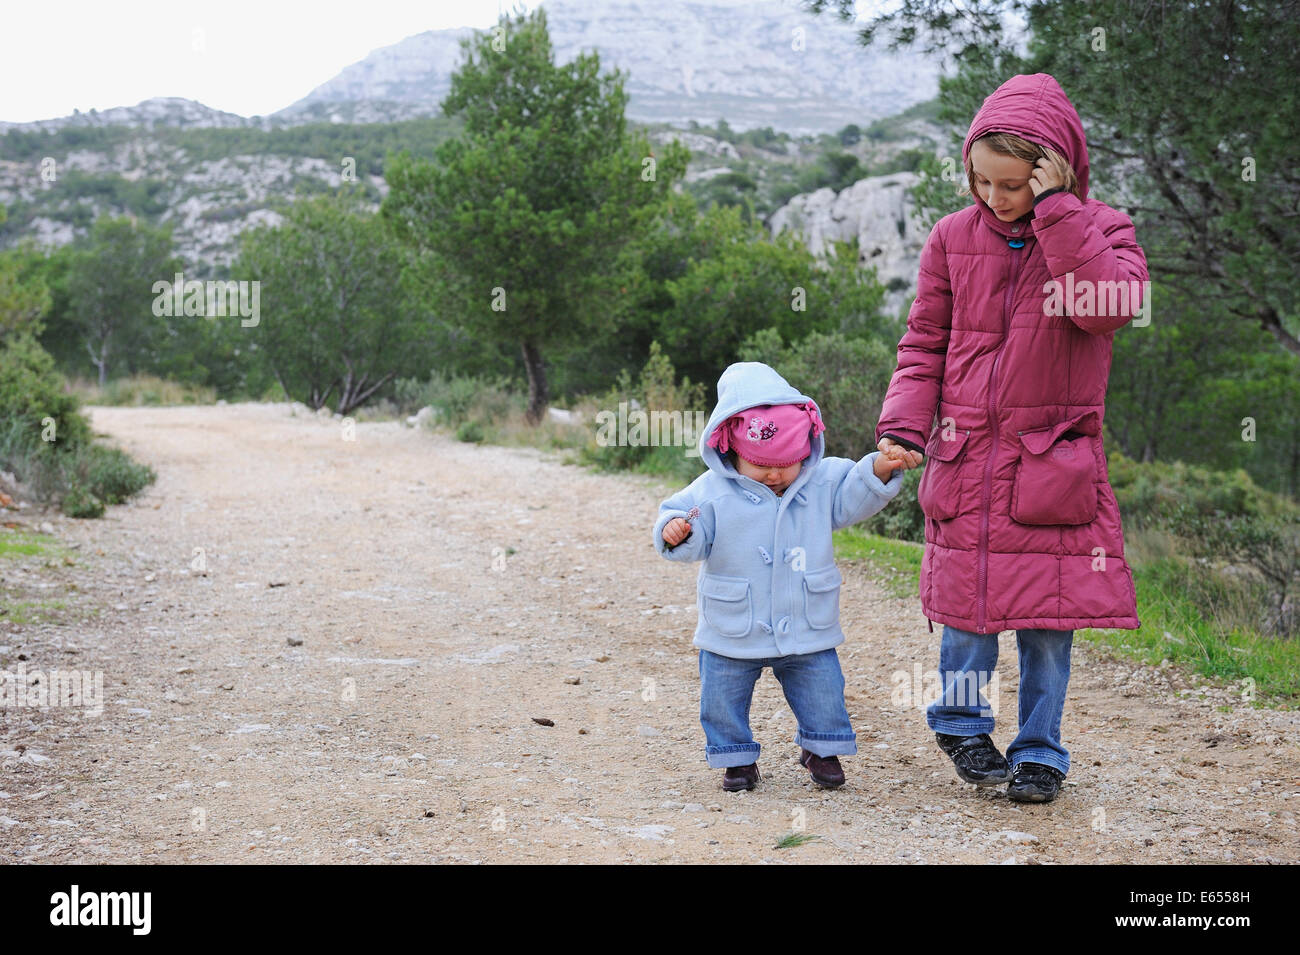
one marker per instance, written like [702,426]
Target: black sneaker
[1034,782]
[737,778]
[976,758]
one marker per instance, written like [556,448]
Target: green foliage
[656,392]
[149,390]
[31,391]
[750,283]
[520,221]
[108,474]
[1149,493]
[895,563]
[456,399]
[835,170]
[80,502]
[83,476]
[795,839]
[1221,518]
[1206,622]
[24,297]
[338,325]
[110,275]
[470,431]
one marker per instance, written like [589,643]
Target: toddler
[768,592]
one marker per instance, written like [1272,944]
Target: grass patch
[142,390]
[17,544]
[1174,628]
[23,612]
[896,563]
[21,543]
[794,839]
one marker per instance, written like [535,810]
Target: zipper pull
[1016,243]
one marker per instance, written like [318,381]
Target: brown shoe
[825,770]
[737,778]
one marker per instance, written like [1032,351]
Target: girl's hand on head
[676,531]
[1049,172]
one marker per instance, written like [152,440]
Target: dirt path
[444,595]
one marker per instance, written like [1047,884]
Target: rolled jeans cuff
[967,726]
[1044,756]
[737,754]
[827,744]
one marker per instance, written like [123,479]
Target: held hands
[1049,172]
[893,455]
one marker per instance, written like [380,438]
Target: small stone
[543,721]
[294,641]
[573,680]
[1010,835]
[647,731]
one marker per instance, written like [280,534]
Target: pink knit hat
[771,436]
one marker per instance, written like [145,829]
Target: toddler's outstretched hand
[896,452]
[884,466]
[676,531]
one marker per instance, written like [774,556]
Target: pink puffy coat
[1021,525]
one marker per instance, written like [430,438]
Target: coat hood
[747,384]
[1035,108]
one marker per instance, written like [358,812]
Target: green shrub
[108,473]
[1149,493]
[31,391]
[79,502]
[672,408]
[458,398]
[471,431]
[902,517]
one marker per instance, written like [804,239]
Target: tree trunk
[539,395]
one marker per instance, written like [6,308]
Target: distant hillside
[753,62]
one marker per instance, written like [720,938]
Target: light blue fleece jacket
[769,586]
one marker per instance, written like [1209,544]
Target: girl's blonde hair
[1009,144]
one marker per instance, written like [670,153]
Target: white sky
[253,57]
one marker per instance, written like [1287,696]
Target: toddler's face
[778,479]
[1002,181]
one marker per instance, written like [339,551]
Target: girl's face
[1002,181]
[778,479]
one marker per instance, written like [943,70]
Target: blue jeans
[967,659]
[813,685]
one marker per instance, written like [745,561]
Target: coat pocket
[725,604]
[1056,478]
[821,597]
[939,493]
